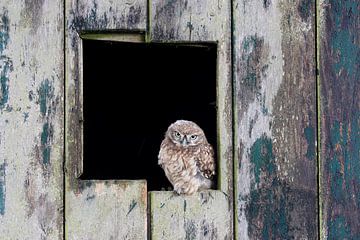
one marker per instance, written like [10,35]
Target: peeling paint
[252,49]
[46,136]
[2,188]
[134,15]
[31,14]
[305,9]
[190,230]
[262,158]
[309,133]
[266,3]
[132,206]
[5,62]
[340,87]
[26,116]
[46,98]
[46,95]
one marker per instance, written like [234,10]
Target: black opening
[132,93]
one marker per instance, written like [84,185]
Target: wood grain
[98,209]
[200,21]
[200,216]
[31,119]
[339,48]
[275,120]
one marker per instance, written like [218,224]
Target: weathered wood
[200,21]
[97,209]
[199,216]
[275,120]
[339,47]
[31,119]
[107,210]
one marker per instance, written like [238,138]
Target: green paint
[132,206]
[5,62]
[262,157]
[2,189]
[346,14]
[304,9]
[343,166]
[268,197]
[252,49]
[46,93]
[339,229]
[45,142]
[309,133]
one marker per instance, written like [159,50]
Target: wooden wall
[339,54]
[31,119]
[289,139]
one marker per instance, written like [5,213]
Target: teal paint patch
[46,94]
[346,14]
[251,56]
[309,133]
[46,136]
[5,62]
[339,229]
[305,9]
[262,157]
[132,206]
[343,167]
[269,203]
[2,188]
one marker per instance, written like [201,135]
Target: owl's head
[185,134]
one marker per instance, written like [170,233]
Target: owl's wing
[162,153]
[206,161]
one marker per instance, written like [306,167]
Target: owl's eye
[177,134]
[193,137]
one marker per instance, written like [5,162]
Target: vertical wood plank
[275,119]
[339,47]
[200,21]
[200,216]
[98,209]
[31,119]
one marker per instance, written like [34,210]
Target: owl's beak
[184,141]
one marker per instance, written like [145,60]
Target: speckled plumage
[187,158]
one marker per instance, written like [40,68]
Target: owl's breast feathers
[191,160]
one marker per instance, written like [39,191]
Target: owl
[187,158]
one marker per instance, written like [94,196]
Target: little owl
[187,158]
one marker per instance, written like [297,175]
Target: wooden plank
[339,48]
[275,120]
[199,216]
[107,210]
[31,119]
[104,206]
[200,21]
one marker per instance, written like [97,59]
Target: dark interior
[132,93]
